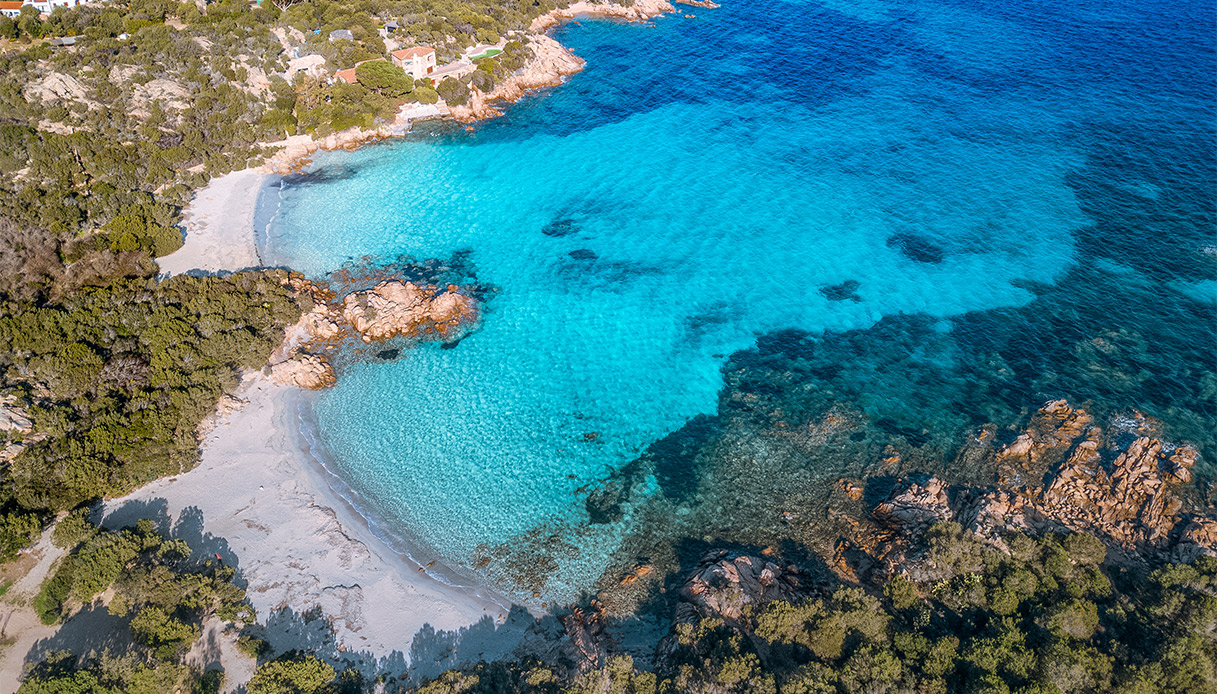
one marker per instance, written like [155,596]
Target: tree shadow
[189,526]
[432,652]
[91,630]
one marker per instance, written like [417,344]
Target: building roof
[419,51]
[10,5]
[341,34]
[392,25]
[348,75]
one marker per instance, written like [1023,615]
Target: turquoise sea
[936,213]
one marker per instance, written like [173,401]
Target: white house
[418,62]
[12,8]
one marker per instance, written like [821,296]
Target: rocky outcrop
[549,64]
[1049,437]
[730,587]
[1123,489]
[726,586]
[917,508]
[168,93]
[57,86]
[308,371]
[409,310]
[16,429]
[641,10]
[412,311]
[588,646]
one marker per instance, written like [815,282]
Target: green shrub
[385,78]
[425,95]
[74,529]
[17,531]
[304,676]
[453,91]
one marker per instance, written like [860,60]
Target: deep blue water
[1021,178]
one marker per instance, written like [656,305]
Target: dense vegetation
[1045,618]
[117,380]
[1048,616]
[102,143]
[150,580]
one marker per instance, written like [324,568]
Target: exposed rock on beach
[392,309]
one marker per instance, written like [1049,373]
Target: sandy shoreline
[219,225]
[261,501]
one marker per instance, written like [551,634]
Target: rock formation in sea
[1063,474]
[412,311]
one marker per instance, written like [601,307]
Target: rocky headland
[1119,483]
[551,62]
[549,65]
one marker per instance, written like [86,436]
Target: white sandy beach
[265,507]
[220,226]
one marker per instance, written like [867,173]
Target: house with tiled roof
[348,75]
[12,8]
[418,62]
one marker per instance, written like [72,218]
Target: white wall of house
[48,6]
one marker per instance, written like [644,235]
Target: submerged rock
[917,248]
[846,291]
[559,228]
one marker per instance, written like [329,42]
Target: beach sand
[220,226]
[261,502]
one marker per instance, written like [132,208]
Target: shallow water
[705,182]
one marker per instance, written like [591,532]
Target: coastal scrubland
[1047,614]
[103,142]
